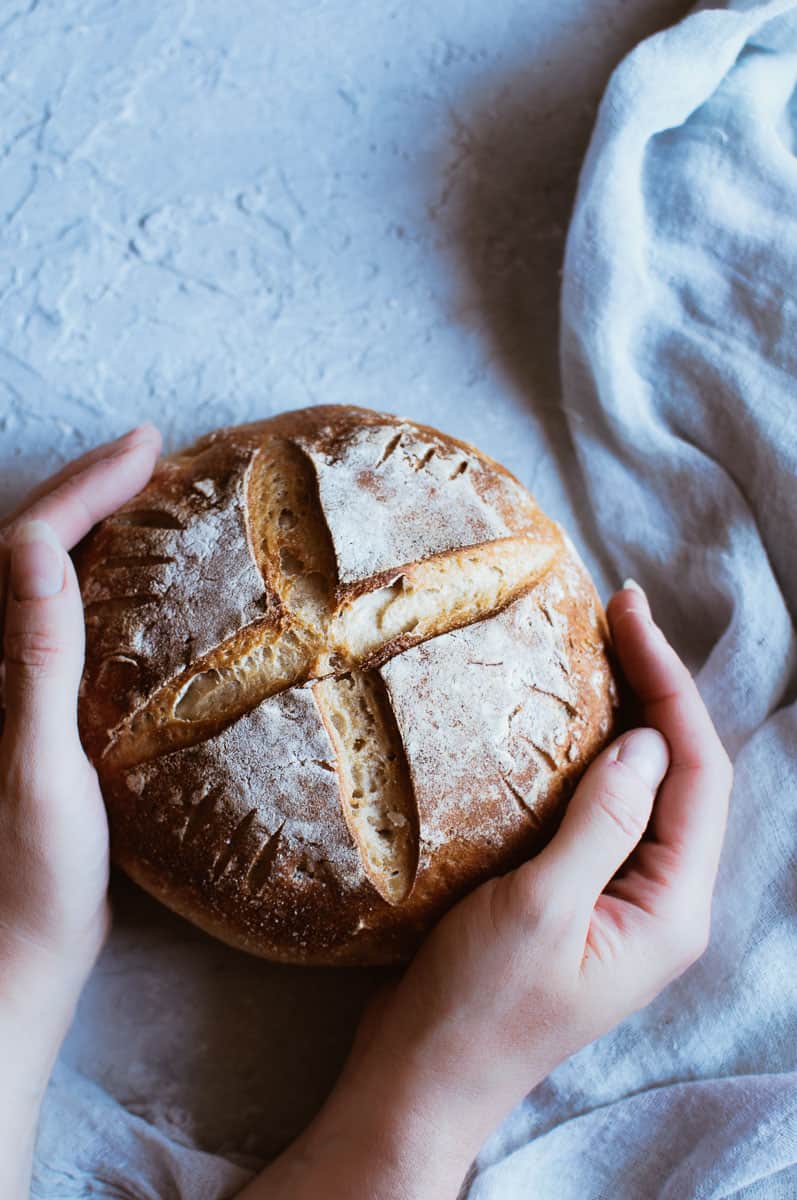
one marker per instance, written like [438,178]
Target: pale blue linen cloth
[679,356]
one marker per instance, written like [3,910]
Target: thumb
[607,815]
[43,645]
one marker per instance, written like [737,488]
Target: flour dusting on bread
[340,669]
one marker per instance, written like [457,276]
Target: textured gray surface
[211,212]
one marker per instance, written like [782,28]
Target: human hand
[53,830]
[536,964]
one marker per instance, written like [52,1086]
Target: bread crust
[214,604]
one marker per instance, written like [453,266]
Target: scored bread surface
[340,669]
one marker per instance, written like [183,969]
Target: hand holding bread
[53,829]
[537,963]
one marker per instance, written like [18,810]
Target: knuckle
[537,901]
[32,651]
[525,896]
[618,801]
[498,910]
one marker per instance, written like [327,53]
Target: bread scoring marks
[237,846]
[260,867]
[523,804]
[198,816]
[248,806]
[287,531]
[117,606]
[120,561]
[149,518]
[396,494]
[313,636]
[228,594]
[376,792]
[435,595]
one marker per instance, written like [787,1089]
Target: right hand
[536,964]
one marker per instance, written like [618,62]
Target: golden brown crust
[214,601]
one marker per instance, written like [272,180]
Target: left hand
[53,830]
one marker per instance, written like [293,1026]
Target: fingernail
[142,433]
[631,585]
[37,562]
[646,752]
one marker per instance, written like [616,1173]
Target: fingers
[147,431]
[691,811]
[660,680]
[43,646]
[85,491]
[91,488]
[606,818]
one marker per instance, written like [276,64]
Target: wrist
[384,1136]
[55,967]
[39,992]
[357,1148]
[407,1135]
[454,1076]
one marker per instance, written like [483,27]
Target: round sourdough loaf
[340,669]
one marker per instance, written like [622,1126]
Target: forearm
[383,1143]
[19,1115]
[34,1017]
[28,1057]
